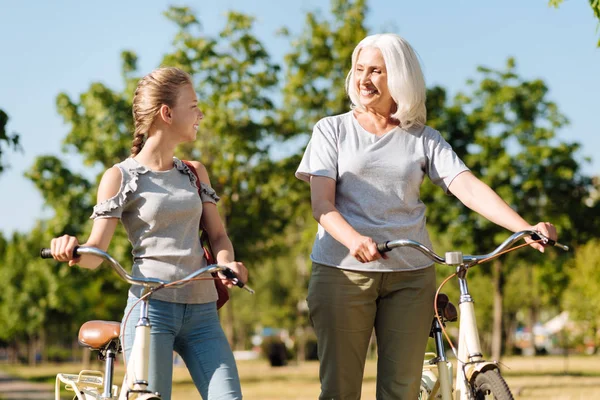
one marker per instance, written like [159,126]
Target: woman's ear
[165,113]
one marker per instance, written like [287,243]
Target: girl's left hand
[546,229]
[239,269]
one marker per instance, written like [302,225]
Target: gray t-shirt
[378,181]
[161,212]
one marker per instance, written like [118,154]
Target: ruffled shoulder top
[161,213]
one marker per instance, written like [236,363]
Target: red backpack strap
[222,291]
[208,254]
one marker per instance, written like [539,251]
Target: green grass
[529,378]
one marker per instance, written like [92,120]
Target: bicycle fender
[472,370]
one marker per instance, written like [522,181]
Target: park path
[12,388]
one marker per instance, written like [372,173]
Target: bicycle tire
[491,383]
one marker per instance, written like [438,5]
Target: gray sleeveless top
[161,212]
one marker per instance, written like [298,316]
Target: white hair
[404,78]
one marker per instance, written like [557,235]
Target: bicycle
[475,377]
[103,336]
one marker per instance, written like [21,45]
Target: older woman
[365,168]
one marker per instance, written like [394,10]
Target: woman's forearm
[480,198]
[335,224]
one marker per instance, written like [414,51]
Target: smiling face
[186,114]
[370,77]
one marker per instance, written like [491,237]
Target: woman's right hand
[62,249]
[364,249]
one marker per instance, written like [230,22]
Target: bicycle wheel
[490,385]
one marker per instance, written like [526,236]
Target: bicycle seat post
[144,306]
[109,370]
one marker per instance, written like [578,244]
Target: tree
[594,4]
[505,130]
[235,80]
[582,297]
[10,140]
[314,87]
[46,300]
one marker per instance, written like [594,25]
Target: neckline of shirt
[147,169]
[374,135]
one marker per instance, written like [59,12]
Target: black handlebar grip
[383,247]
[548,241]
[229,274]
[46,253]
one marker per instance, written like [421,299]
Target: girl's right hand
[364,249]
[62,249]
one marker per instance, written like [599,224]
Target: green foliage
[314,87]
[317,66]
[236,83]
[582,297]
[28,291]
[505,130]
[503,126]
[11,141]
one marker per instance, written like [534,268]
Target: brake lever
[547,241]
[231,275]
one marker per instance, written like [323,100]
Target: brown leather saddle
[100,335]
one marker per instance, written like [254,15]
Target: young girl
[156,197]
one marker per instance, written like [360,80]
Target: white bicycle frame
[470,360]
[136,377]
[86,384]
[437,372]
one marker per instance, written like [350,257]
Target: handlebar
[468,260]
[150,282]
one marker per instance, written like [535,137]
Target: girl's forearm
[222,249]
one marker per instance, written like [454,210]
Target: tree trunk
[300,343]
[42,341]
[301,309]
[13,352]
[595,338]
[511,327]
[533,315]
[32,350]
[498,279]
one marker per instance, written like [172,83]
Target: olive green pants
[344,308]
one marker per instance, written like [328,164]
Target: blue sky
[64,45]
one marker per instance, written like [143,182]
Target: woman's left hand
[546,229]
[239,269]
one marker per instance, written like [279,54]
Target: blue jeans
[194,332]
